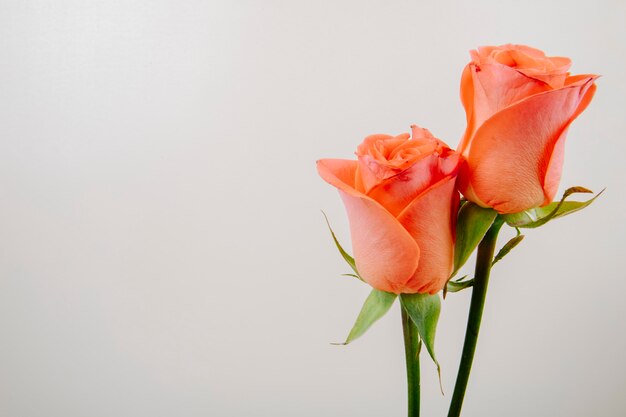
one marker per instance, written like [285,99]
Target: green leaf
[424,310]
[349,259]
[507,248]
[375,306]
[472,224]
[541,215]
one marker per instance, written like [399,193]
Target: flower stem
[479,293]
[412,350]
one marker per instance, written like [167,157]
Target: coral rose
[402,203]
[519,105]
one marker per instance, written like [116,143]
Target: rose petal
[554,169]
[491,88]
[430,219]
[465,186]
[386,255]
[529,61]
[375,159]
[554,166]
[467,98]
[509,154]
[398,191]
[339,173]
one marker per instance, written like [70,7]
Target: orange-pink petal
[467,98]
[386,255]
[493,87]
[339,173]
[555,164]
[510,153]
[430,219]
[396,192]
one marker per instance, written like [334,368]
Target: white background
[162,250]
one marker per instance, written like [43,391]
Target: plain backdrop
[162,249]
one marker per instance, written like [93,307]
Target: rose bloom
[519,104]
[401,201]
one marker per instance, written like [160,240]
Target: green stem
[411,351]
[479,292]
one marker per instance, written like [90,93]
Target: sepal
[508,247]
[472,223]
[374,307]
[541,215]
[424,310]
[349,259]
[458,285]
[463,283]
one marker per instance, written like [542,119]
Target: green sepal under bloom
[349,259]
[424,309]
[463,283]
[375,306]
[473,222]
[458,285]
[528,219]
[508,247]
[541,215]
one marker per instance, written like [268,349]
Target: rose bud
[401,201]
[519,104]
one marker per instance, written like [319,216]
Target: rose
[401,201]
[519,105]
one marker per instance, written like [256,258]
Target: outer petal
[554,166]
[494,87]
[386,255]
[510,153]
[339,173]
[467,98]
[554,169]
[430,219]
[464,185]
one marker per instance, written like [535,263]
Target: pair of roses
[402,194]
